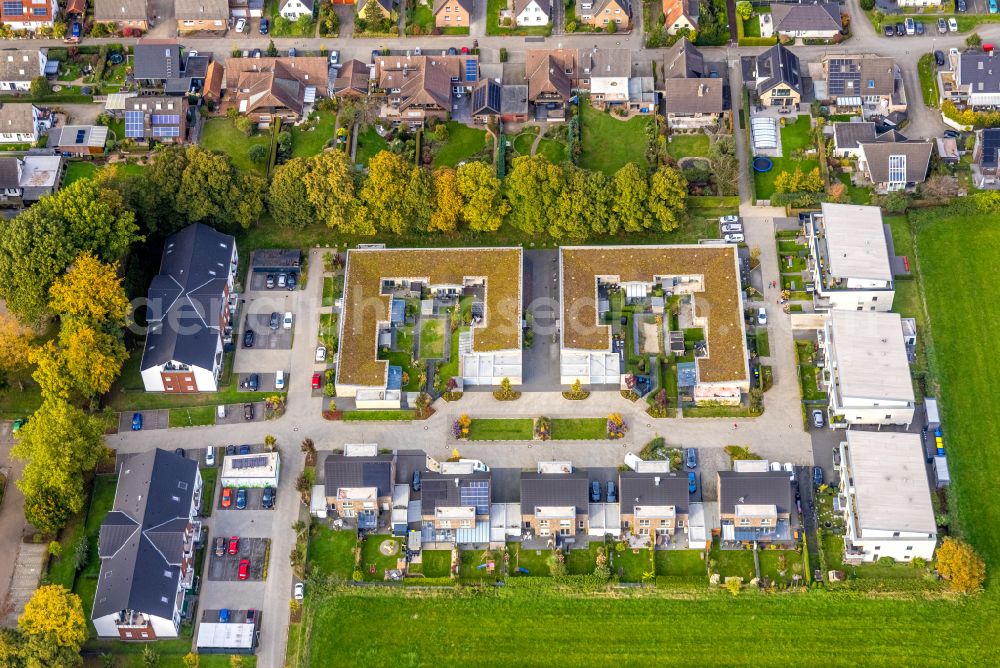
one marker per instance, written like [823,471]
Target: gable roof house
[455,504]
[896,165]
[417,88]
[214,77]
[20,123]
[872,84]
[156,118]
[550,74]
[757,507]
[452,13]
[158,66]
[974,80]
[680,14]
[653,504]
[599,13]
[359,483]
[191,302]
[293,10]
[532,12]
[19,66]
[123,13]
[385,6]
[201,15]
[492,99]
[554,501]
[352,79]
[25,180]
[819,21]
[265,88]
[692,101]
[609,71]
[147,548]
[28,15]
[986,157]
[777,78]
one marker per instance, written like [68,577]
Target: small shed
[941,476]
[687,374]
[226,638]
[317,502]
[397,312]
[657,304]
[276,260]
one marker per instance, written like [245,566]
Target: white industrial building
[885,497]
[850,258]
[866,371]
[254,470]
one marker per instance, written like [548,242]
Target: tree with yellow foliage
[448,201]
[90,290]
[15,345]
[959,564]
[56,613]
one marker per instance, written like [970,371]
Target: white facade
[609,89]
[107,626]
[535,13]
[294,9]
[28,60]
[886,497]
[35,25]
[206,380]
[918,3]
[866,371]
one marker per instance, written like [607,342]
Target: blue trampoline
[762,164]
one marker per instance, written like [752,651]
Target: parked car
[790,470]
[942,26]
[692,483]
[993,6]
[74,33]
[180,452]
[919,26]
[279,380]
[729,219]
[241,498]
[612,496]
[275,320]
[220,546]
[244,449]
[910,26]
[316,381]
[269,281]
[18,423]
[452,51]
[761,316]
[251,616]
[732,227]
[265,26]
[267,499]
[248,338]
[320,353]
[888,30]
[299,591]
[210,456]
[952,24]
[136,421]
[291,52]
[241,25]
[415,484]
[244,572]
[334,57]
[952,134]
[900,30]
[234,545]
[282,280]
[292,280]
[818,475]
[286,322]
[230,450]
[248,412]
[227,497]
[939,58]
[960,5]
[734,238]
[691,458]
[224,613]
[595,492]
[253,382]
[817,419]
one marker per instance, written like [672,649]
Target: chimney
[456,482]
[656,481]
[741,499]
[701,90]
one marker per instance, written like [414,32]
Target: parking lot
[159,419]
[226,567]
[265,382]
[234,413]
[265,337]
[254,496]
[258,282]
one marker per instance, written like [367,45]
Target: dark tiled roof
[777,66]
[10,175]
[438,490]
[918,155]
[683,60]
[691,96]
[20,64]
[641,489]
[356,472]
[772,487]
[980,71]
[554,489]
[156,61]
[852,135]
[801,18]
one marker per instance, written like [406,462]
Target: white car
[320,353]
[241,25]
[210,456]
[732,227]
[952,25]
[300,591]
[334,57]
[790,470]
[775,466]
[734,238]
[287,322]
[761,316]
[729,219]
[279,380]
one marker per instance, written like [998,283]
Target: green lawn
[192,417]
[682,146]
[588,429]
[536,561]
[463,143]
[751,27]
[435,563]
[328,332]
[486,429]
[420,17]
[796,136]
[630,565]
[78,170]
[209,476]
[770,564]
[609,143]
[493,26]
[367,416]
[523,141]
[765,181]
[331,552]
[404,339]
[856,194]
[306,143]
[432,334]
[928,81]
[372,557]
[730,563]
[763,345]
[582,562]
[404,360]
[81,527]
[450,368]
[807,381]
[220,134]
[328,291]
[370,142]
[101,502]
[555,151]
[683,563]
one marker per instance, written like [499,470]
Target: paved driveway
[540,362]
[150,420]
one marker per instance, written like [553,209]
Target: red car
[227,497]
[234,545]
[244,569]
[316,381]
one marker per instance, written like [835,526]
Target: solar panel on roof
[494,97]
[476,493]
[133,124]
[160,119]
[250,462]
[80,134]
[471,70]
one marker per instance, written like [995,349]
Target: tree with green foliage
[974,41]
[212,189]
[418,198]
[259,153]
[582,208]
[288,197]
[629,206]
[245,125]
[272,50]
[39,87]
[483,207]
[42,242]
[725,166]
[667,198]
[744,10]
[56,614]
[331,190]
[533,188]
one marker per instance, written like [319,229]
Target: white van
[279,380]
[911,27]
[287,322]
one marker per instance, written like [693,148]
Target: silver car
[734,238]
[732,227]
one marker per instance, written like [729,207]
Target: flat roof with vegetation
[365,307]
[719,302]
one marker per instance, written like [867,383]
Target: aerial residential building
[79,140]
[850,258]
[885,497]
[293,10]
[918,3]
[897,165]
[692,97]
[162,119]
[247,9]
[385,7]
[757,507]
[20,123]
[25,180]
[18,67]
[123,13]
[147,548]
[986,156]
[550,75]
[866,371]
[352,79]
[455,505]
[376,282]
[281,87]
[532,12]
[706,278]
[491,99]
[599,13]
[777,78]
[417,88]
[159,68]
[849,136]
[653,504]
[257,470]
[554,501]
[871,84]
[191,302]
[201,15]
[973,80]
[29,14]
[452,13]
[680,15]
[819,21]
[359,485]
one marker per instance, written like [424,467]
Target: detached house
[25,180]
[268,88]
[653,504]
[819,21]
[974,79]
[452,13]
[123,13]
[29,14]
[550,74]
[293,10]
[202,15]
[162,119]
[757,507]
[554,501]
[897,165]
[20,123]
[147,548]
[691,97]
[870,83]
[359,485]
[599,13]
[679,15]
[190,305]
[885,497]
[777,78]
[532,12]
[18,67]
[849,136]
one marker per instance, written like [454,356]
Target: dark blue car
[818,475]
[136,421]
[692,483]
[241,498]
[244,449]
